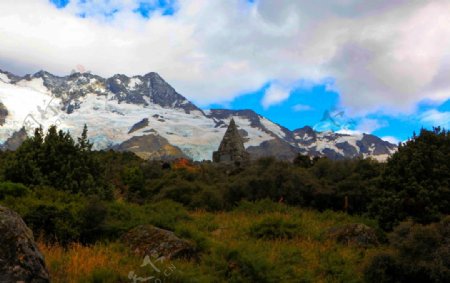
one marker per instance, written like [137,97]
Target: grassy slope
[227,252]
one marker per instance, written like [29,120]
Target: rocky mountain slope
[146,115]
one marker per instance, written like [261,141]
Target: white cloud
[391,139]
[275,94]
[301,107]
[435,118]
[386,54]
[367,125]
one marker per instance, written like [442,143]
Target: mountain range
[146,115]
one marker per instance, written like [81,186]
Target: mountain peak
[42,73]
[153,75]
[121,107]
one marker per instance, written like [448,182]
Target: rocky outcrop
[139,125]
[147,240]
[306,140]
[354,234]
[3,114]
[275,147]
[20,259]
[138,105]
[14,141]
[151,147]
[231,148]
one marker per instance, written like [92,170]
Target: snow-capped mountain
[146,115]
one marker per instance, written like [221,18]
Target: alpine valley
[144,114]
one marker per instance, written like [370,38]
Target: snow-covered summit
[120,108]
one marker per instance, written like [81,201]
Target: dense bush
[53,215]
[58,216]
[422,255]
[383,268]
[274,228]
[198,239]
[13,190]
[237,266]
[165,214]
[416,181]
[261,206]
[56,160]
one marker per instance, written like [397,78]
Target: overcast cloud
[382,55]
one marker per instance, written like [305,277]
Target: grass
[79,263]
[229,252]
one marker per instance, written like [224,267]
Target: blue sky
[379,67]
[307,106]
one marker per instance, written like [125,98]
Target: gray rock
[151,89]
[3,114]
[276,147]
[14,141]
[20,259]
[151,147]
[147,240]
[139,125]
[231,148]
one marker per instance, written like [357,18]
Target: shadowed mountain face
[151,147]
[145,114]
[141,90]
[286,144]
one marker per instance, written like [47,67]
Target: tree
[416,180]
[56,160]
[303,161]
[83,141]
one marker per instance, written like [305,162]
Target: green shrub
[56,223]
[274,228]
[165,214]
[208,198]
[199,240]
[13,190]
[422,255]
[179,190]
[335,268]
[93,218]
[240,266]
[206,223]
[121,217]
[133,178]
[383,268]
[261,206]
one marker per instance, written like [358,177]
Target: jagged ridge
[121,108]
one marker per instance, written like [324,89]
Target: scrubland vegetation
[268,221]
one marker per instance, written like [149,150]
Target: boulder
[20,259]
[354,234]
[149,240]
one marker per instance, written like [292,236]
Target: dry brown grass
[308,256]
[76,262]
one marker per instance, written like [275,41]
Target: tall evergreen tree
[56,160]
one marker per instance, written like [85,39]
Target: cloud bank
[382,55]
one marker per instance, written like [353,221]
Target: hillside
[106,216]
[229,252]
